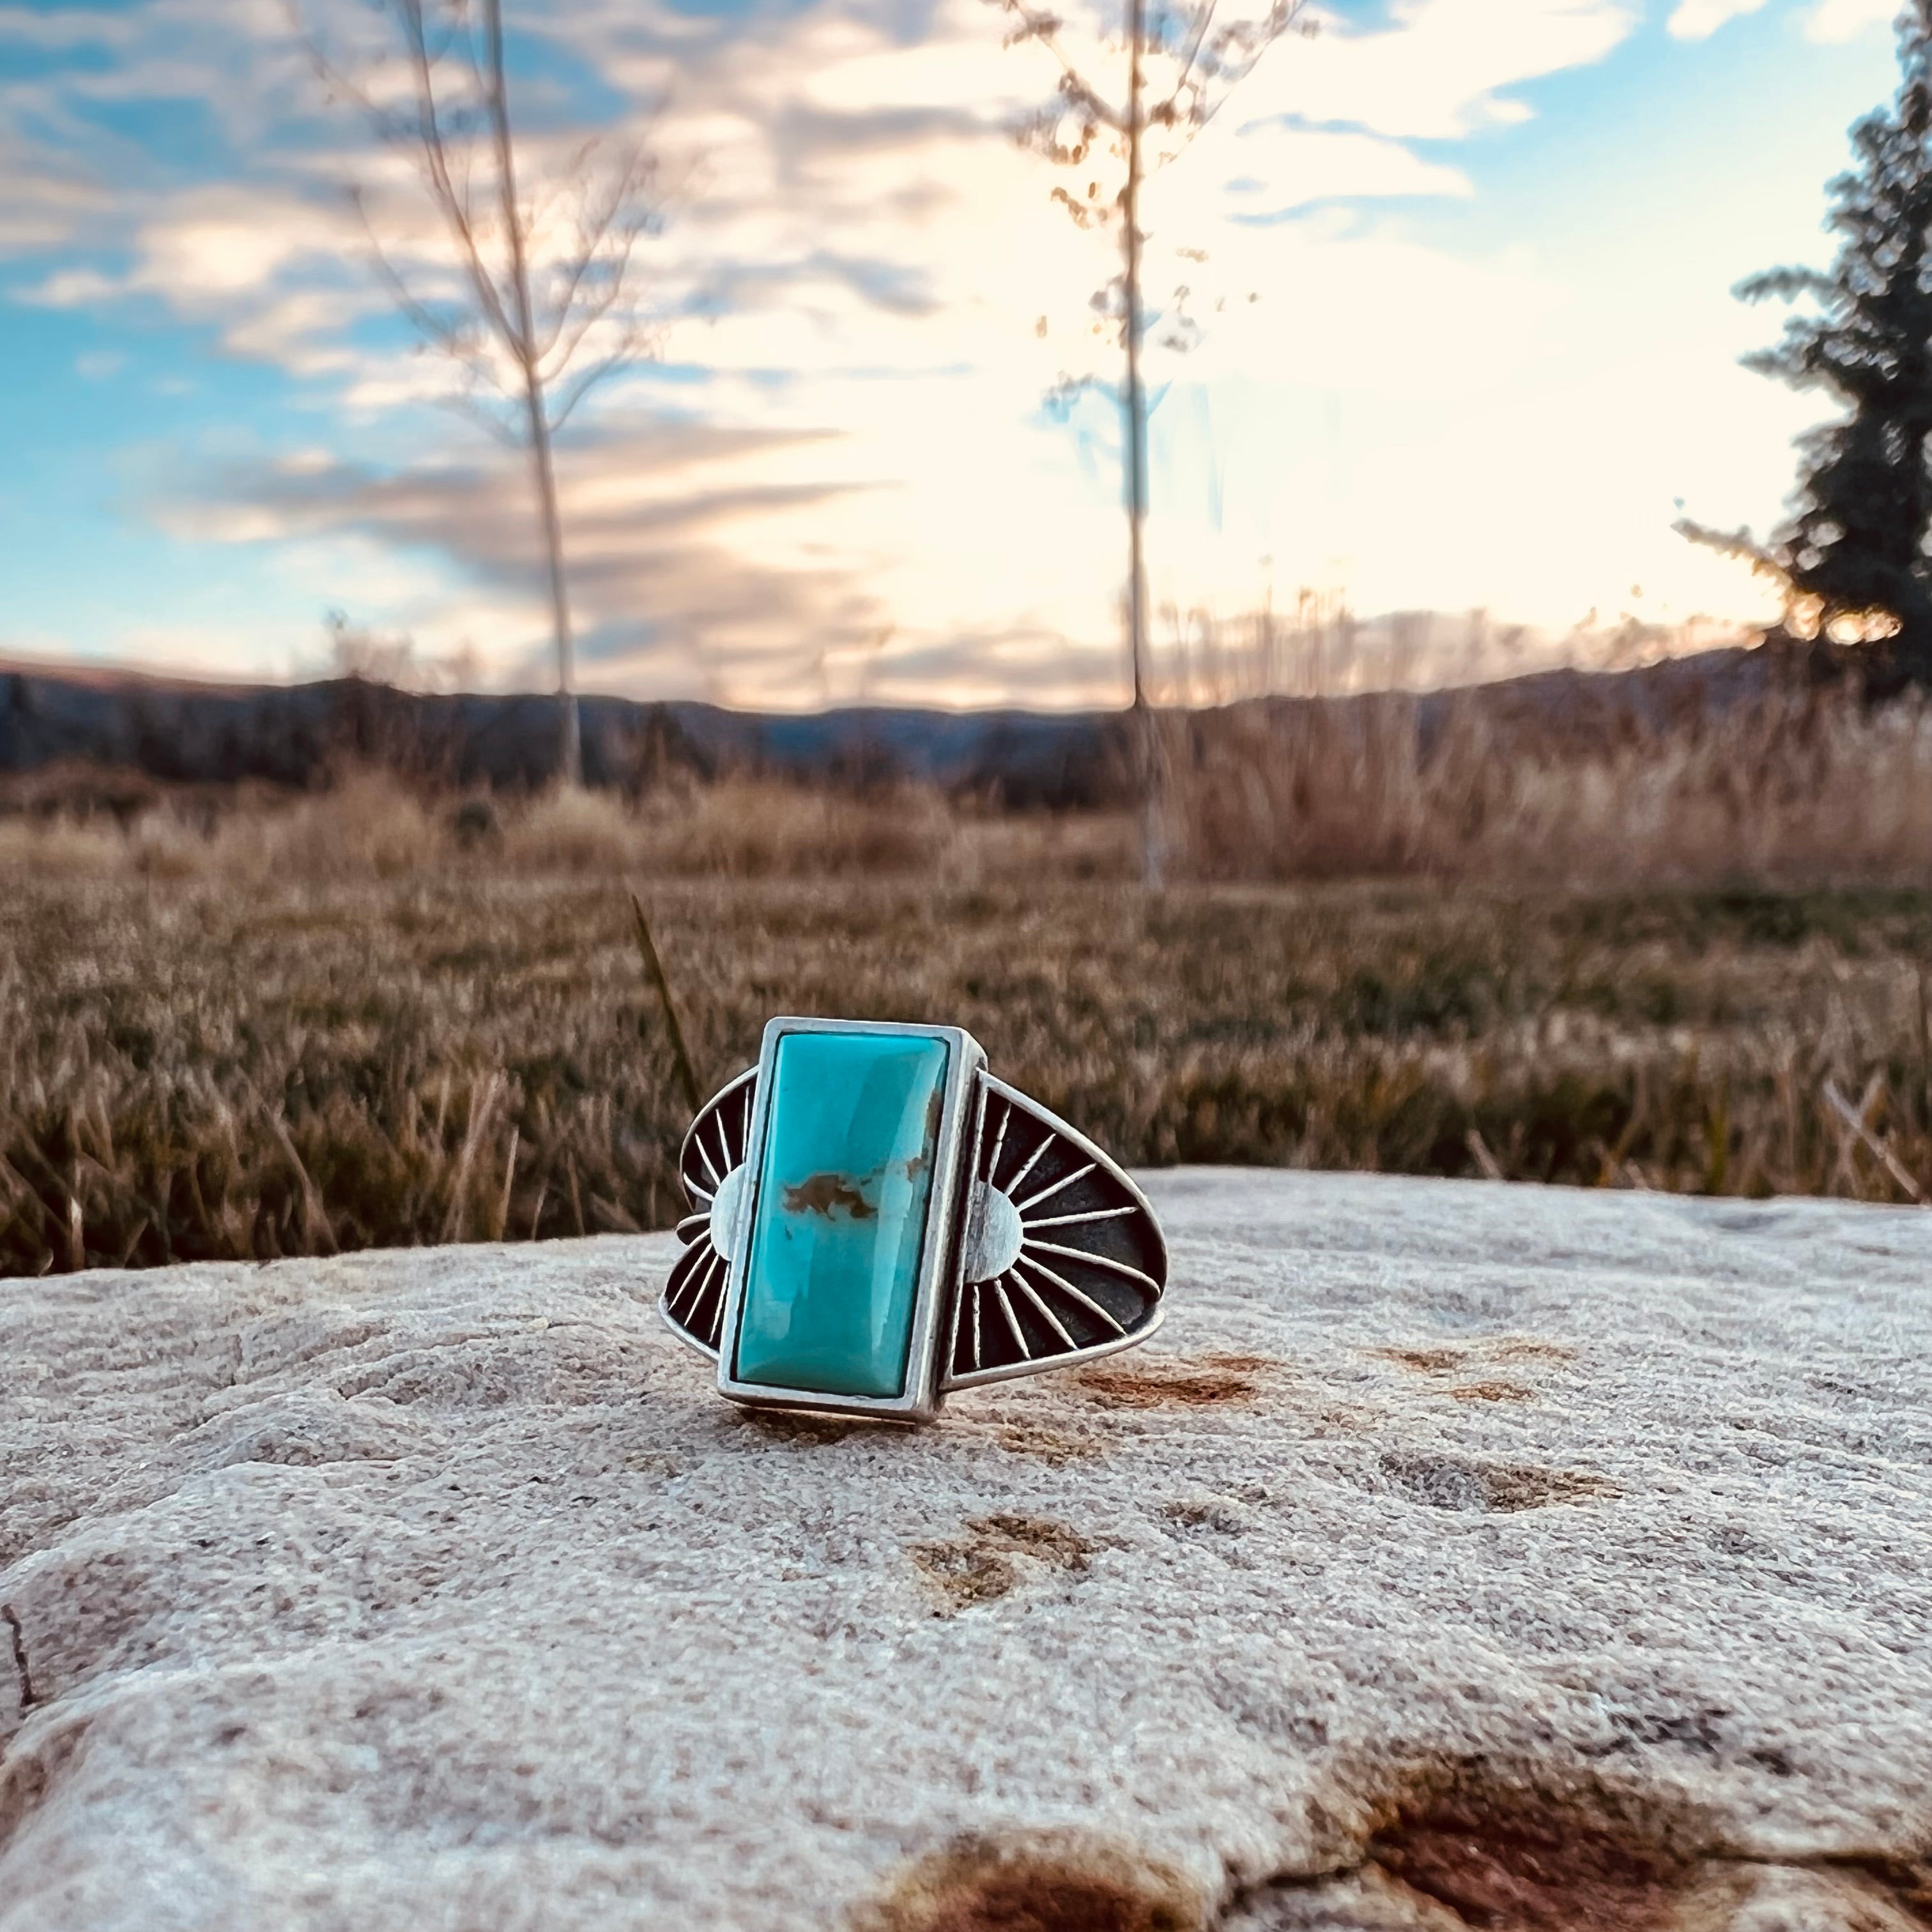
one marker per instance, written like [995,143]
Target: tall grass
[372,824]
[1800,788]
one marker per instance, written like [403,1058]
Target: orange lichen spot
[1182,1381]
[1524,1861]
[979,1566]
[1043,1884]
[1490,1391]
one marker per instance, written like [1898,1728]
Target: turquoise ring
[877,1221]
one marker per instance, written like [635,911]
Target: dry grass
[1804,787]
[191,1070]
[368,826]
[372,825]
[1696,960]
[738,828]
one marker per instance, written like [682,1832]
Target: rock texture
[1458,1555]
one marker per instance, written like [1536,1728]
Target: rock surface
[1458,1555]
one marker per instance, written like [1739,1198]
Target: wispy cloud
[1438,70]
[46,204]
[1834,22]
[1699,19]
[661,520]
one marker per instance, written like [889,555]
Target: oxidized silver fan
[1063,1261]
[711,1164]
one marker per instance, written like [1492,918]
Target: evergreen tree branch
[1787,285]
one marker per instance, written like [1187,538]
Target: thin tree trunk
[1136,400]
[570,750]
[1146,743]
[570,761]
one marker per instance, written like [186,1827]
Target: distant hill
[175,732]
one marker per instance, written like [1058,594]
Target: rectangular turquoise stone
[843,1190]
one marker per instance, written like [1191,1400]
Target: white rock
[1560,1554]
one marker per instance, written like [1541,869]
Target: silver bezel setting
[940,1252]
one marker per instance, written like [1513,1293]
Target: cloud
[1835,21]
[1699,19]
[854,173]
[279,274]
[659,520]
[1286,168]
[856,269]
[45,205]
[747,562]
[1437,71]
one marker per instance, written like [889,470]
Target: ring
[877,1221]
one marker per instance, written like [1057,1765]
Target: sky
[1459,276]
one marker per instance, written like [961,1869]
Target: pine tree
[1856,540]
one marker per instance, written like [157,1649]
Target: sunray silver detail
[693,1301]
[1017,1312]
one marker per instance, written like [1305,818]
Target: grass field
[338,1043]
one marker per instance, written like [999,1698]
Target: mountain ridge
[173,730]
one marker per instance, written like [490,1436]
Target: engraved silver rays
[712,1166]
[1057,1257]
[1064,1259]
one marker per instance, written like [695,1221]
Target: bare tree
[1180,67]
[540,304]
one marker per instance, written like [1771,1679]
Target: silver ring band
[1034,1249]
